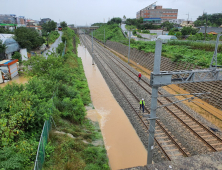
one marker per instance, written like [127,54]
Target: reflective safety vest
[142,102]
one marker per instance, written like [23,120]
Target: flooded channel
[123,146]
[18,79]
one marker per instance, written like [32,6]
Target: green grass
[112,33]
[196,53]
[73,153]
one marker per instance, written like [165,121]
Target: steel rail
[163,129]
[202,126]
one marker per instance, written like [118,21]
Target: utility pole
[205,28]
[156,70]
[104,36]
[92,49]
[188,17]
[162,78]
[129,45]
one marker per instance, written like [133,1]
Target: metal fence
[64,50]
[40,156]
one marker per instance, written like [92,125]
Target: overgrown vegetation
[25,107]
[53,35]
[28,38]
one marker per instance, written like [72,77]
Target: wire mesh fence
[64,50]
[40,156]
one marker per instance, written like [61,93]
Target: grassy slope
[196,53]
[72,153]
[24,108]
[112,33]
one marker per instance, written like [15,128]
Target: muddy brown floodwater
[18,79]
[123,146]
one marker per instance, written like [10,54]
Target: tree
[63,24]
[189,30]
[167,25]
[179,35]
[124,17]
[49,26]
[114,21]
[28,38]
[2,47]
[213,20]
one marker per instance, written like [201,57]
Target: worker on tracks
[139,76]
[142,104]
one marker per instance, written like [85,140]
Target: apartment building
[156,11]
[8,19]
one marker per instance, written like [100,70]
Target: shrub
[139,36]
[18,56]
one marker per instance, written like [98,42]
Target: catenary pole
[104,36]
[129,46]
[92,49]
[205,28]
[156,70]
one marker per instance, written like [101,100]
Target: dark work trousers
[142,105]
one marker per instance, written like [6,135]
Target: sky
[86,12]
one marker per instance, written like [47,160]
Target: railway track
[168,145]
[211,140]
[146,60]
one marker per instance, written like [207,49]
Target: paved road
[123,27]
[54,45]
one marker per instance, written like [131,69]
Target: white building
[176,21]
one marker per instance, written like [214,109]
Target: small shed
[166,38]
[11,44]
[1,78]
[10,66]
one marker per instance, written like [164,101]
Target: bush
[18,56]
[146,31]
[139,36]
[60,48]
[53,35]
